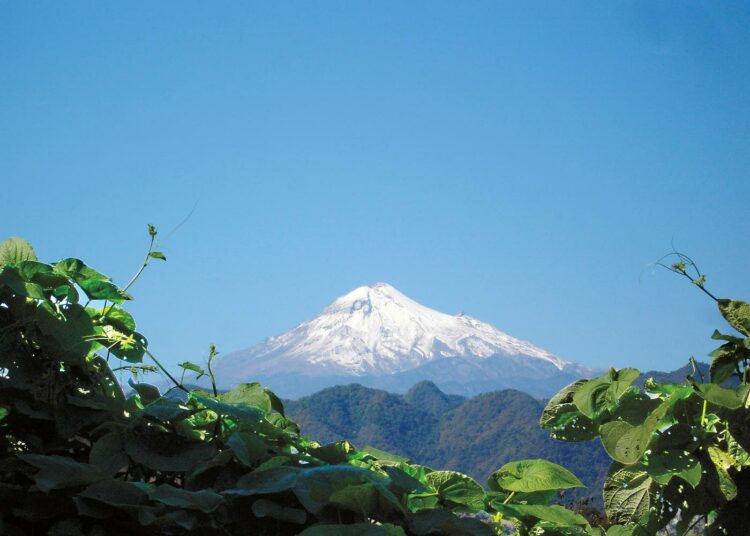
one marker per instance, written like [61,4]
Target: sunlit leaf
[15,250]
[533,475]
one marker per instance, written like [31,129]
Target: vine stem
[690,527]
[681,269]
[714,298]
[211,354]
[165,371]
[143,266]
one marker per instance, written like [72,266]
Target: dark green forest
[473,436]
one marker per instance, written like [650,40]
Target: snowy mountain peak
[364,299]
[377,330]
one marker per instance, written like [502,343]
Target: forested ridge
[473,436]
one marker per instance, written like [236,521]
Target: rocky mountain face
[378,337]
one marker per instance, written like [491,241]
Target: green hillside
[474,435]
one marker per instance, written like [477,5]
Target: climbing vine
[81,453]
[80,456]
[679,451]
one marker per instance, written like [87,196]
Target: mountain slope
[475,436]
[426,396]
[366,417]
[377,336]
[492,429]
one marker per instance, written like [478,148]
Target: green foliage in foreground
[680,451]
[77,456]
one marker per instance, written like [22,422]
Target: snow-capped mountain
[375,335]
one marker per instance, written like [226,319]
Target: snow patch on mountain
[376,330]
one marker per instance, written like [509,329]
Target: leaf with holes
[666,464]
[563,418]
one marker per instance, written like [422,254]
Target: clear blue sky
[522,162]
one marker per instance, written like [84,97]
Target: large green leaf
[591,397]
[442,521]
[736,451]
[333,453]
[163,451]
[148,393]
[627,495]
[722,396]
[253,394]
[73,330]
[245,414]
[626,530]
[96,289]
[165,409]
[725,361]
[268,481]
[10,278]
[175,521]
[41,274]
[457,490]
[622,382]
[360,498]
[78,271]
[382,455]
[533,475]
[601,394]
[66,293]
[563,418]
[737,313]
[634,407]
[249,448]
[266,508]
[666,464]
[59,472]
[560,516]
[115,493]
[187,365]
[536,497]
[108,453]
[39,277]
[316,486]
[405,482]
[624,442]
[117,317]
[15,250]
[128,346]
[354,529]
[723,462]
[204,500]
[284,424]
[109,499]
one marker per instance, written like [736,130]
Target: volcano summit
[378,337]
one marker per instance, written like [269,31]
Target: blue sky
[521,162]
